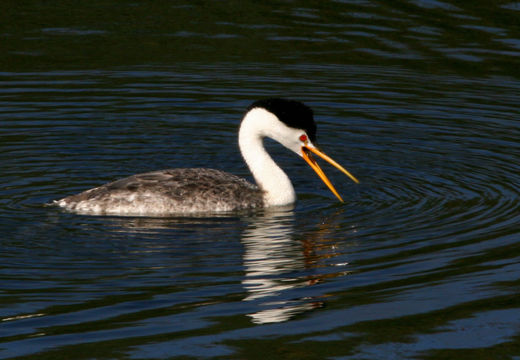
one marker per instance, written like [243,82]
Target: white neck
[277,187]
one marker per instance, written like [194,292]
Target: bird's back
[168,192]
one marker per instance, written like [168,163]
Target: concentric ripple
[450,171]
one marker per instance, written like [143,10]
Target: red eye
[303,138]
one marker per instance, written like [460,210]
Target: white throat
[257,124]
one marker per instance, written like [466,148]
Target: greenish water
[419,99]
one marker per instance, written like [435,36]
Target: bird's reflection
[279,262]
[276,265]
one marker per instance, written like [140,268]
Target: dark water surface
[419,99]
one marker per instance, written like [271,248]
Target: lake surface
[418,99]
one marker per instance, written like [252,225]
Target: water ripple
[436,212]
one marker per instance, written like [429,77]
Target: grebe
[199,190]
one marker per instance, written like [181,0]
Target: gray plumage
[174,191]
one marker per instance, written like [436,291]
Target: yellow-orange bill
[314,165]
[332,162]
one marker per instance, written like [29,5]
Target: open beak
[307,156]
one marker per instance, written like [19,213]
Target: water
[418,99]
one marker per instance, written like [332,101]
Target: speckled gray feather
[164,192]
